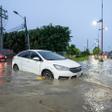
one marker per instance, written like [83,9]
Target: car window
[48,55]
[33,54]
[25,54]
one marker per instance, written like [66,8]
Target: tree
[14,41]
[96,51]
[72,50]
[53,38]
[48,37]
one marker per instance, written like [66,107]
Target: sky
[75,14]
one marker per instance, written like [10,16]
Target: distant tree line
[55,38]
[50,37]
[72,50]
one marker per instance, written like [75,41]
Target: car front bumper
[67,74]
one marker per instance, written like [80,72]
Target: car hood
[67,62]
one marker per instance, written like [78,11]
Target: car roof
[35,50]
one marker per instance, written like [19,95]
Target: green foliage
[80,58]
[85,53]
[75,53]
[96,51]
[53,38]
[72,50]
[14,41]
[49,37]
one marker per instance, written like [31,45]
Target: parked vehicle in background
[46,63]
[2,57]
[110,55]
[7,52]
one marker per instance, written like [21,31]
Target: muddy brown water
[91,92]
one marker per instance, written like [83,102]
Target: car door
[34,65]
[24,58]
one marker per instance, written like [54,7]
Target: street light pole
[101,21]
[27,41]
[26,34]
[102,27]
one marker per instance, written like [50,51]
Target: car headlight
[60,67]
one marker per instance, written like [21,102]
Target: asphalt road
[92,92]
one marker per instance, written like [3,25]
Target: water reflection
[5,73]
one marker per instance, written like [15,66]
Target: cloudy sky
[76,14]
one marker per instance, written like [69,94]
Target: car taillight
[1,56]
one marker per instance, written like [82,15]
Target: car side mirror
[36,58]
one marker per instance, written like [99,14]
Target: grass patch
[78,59]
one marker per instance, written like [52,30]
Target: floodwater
[91,92]
[98,72]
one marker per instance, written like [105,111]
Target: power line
[18,28]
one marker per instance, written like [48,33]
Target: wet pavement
[91,92]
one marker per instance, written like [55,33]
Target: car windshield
[48,55]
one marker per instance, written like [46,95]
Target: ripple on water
[98,72]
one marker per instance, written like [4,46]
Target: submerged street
[91,92]
[67,40]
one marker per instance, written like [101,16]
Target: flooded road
[91,92]
[98,72]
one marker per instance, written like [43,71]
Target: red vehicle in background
[3,57]
[6,54]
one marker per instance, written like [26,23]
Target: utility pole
[98,38]
[3,15]
[98,43]
[87,44]
[102,27]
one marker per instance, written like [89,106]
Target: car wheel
[47,74]
[15,68]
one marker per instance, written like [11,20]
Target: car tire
[16,68]
[47,74]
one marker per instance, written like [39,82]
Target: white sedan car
[46,63]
